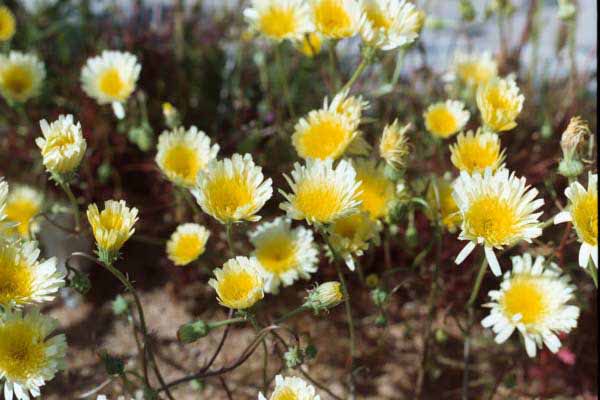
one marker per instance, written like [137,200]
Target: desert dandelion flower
[62,145]
[533,300]
[474,69]
[7,24]
[23,278]
[377,191]
[389,24]
[110,78]
[320,192]
[239,284]
[21,76]
[111,227]
[444,119]
[187,243]
[182,154]
[393,146]
[284,254]
[497,209]
[29,357]
[348,106]
[352,234]
[500,102]
[336,19]
[279,19]
[310,44]
[233,189]
[582,211]
[291,388]
[22,205]
[476,152]
[442,206]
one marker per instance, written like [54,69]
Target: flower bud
[192,331]
[171,115]
[293,357]
[574,136]
[80,282]
[327,295]
[379,296]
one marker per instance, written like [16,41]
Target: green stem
[265,365]
[218,324]
[290,314]
[283,82]
[333,71]
[73,200]
[229,233]
[368,54]
[591,269]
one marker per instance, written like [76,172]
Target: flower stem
[218,324]
[265,365]
[367,58]
[73,200]
[333,71]
[229,233]
[283,82]
[290,314]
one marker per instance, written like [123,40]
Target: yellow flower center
[236,286]
[228,194]
[278,22]
[491,218]
[183,162]
[284,393]
[318,201]
[7,24]
[311,46]
[442,122]
[524,297]
[188,247]
[377,18]
[22,211]
[111,221]
[112,85]
[496,98]
[58,142]
[22,351]
[277,254]
[324,139]
[475,156]
[17,79]
[585,217]
[348,226]
[475,72]
[332,19]
[15,278]
[377,192]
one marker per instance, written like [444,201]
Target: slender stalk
[368,54]
[73,200]
[290,314]
[218,324]
[470,316]
[229,234]
[283,82]
[265,365]
[350,326]
[333,71]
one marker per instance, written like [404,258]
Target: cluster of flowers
[338,190]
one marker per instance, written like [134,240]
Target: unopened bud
[293,357]
[171,115]
[327,295]
[372,280]
[379,296]
[574,136]
[80,282]
[192,331]
[381,320]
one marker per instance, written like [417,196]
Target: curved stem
[73,200]
[368,54]
[290,314]
[283,82]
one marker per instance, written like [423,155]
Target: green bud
[293,357]
[310,351]
[120,305]
[571,168]
[379,296]
[412,236]
[197,384]
[467,11]
[325,296]
[381,320]
[104,172]
[80,282]
[441,336]
[192,331]
[113,365]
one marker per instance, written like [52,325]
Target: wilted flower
[279,19]
[532,299]
[291,388]
[572,139]
[239,284]
[393,146]
[321,193]
[497,210]
[583,213]
[476,152]
[112,227]
[62,145]
[187,243]
[351,235]
[500,102]
[110,78]
[389,24]
[444,119]
[336,19]
[474,69]
[182,154]
[22,205]
[7,24]
[284,254]
[24,279]
[377,193]
[21,76]
[232,189]
[28,357]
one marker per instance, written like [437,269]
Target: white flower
[21,76]
[532,299]
[280,19]
[25,280]
[284,254]
[289,388]
[583,213]
[62,144]
[111,78]
[28,357]
[321,193]
[497,210]
[232,189]
[389,24]
[182,154]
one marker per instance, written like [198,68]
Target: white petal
[530,346]
[464,253]
[493,261]
[552,342]
[585,251]
[118,109]
[504,334]
[561,217]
